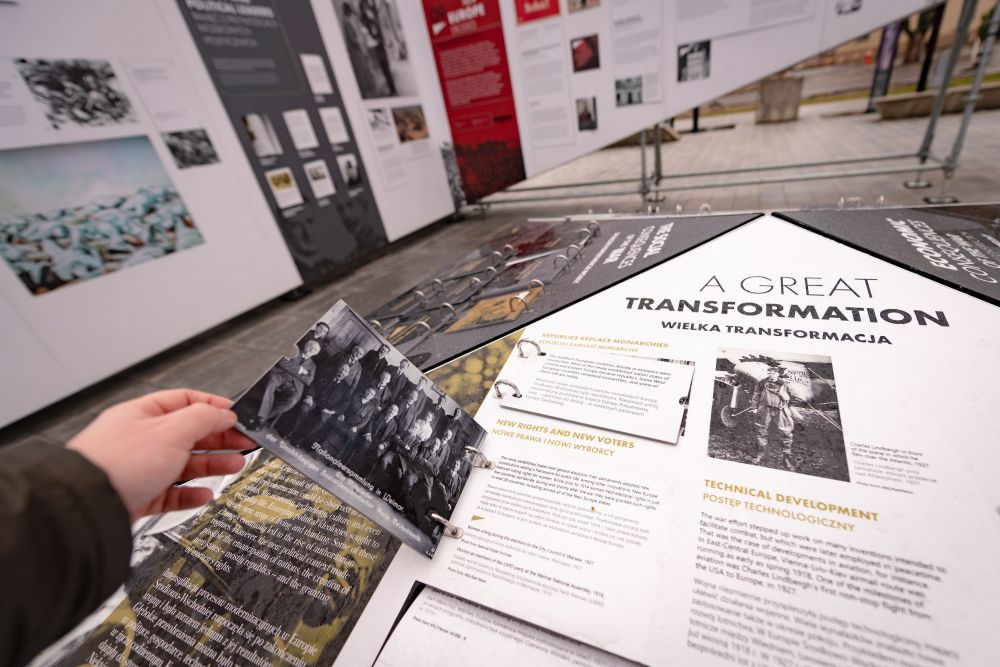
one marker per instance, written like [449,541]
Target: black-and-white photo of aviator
[694,61]
[190,148]
[377,48]
[778,410]
[76,92]
[350,412]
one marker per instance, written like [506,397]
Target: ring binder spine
[450,529]
[481,460]
[528,341]
[507,383]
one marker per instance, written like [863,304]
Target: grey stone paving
[227,358]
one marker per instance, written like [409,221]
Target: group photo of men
[346,393]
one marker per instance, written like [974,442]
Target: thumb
[192,423]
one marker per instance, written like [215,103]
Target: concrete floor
[227,358]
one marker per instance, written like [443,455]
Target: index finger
[170,400]
[231,439]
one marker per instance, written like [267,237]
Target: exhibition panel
[130,218]
[696,465]
[391,94]
[276,84]
[956,245]
[530,270]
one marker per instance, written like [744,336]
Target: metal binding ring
[481,460]
[575,247]
[493,269]
[585,236]
[516,298]
[375,324]
[535,282]
[438,283]
[497,256]
[423,297]
[448,306]
[475,281]
[496,388]
[538,348]
[555,260]
[424,325]
[450,529]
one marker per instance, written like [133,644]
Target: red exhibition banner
[471,58]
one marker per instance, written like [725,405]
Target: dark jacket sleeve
[65,544]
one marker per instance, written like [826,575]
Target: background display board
[283,100]
[129,217]
[381,56]
[956,245]
[586,74]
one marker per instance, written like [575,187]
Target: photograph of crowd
[72,212]
[190,148]
[377,48]
[76,92]
[376,426]
[778,410]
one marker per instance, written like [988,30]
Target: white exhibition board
[230,260]
[902,509]
[658,59]
[407,173]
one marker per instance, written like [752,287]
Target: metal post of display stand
[954,53]
[951,162]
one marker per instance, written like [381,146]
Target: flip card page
[449,631]
[631,395]
[347,410]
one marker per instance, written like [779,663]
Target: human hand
[144,446]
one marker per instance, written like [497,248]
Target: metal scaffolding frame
[649,183]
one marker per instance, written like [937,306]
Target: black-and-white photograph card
[778,410]
[351,413]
